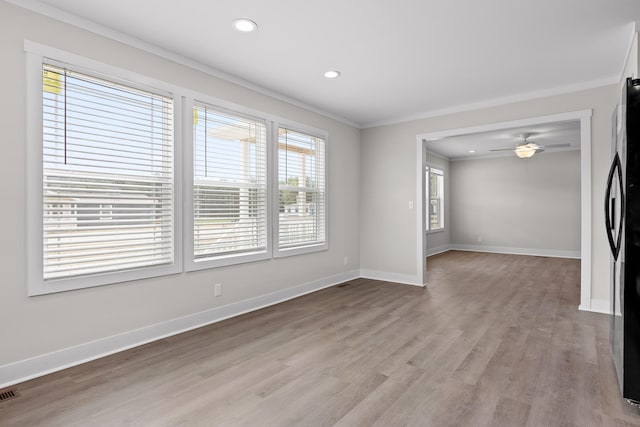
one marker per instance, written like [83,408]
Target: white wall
[631,64]
[34,326]
[438,241]
[388,179]
[517,205]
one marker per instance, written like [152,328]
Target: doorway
[583,118]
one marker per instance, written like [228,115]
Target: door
[614,222]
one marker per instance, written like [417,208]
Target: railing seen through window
[229,184]
[301,180]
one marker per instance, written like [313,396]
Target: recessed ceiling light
[245,25]
[472,151]
[332,74]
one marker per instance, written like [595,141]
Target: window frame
[182,179]
[438,171]
[36,56]
[190,263]
[275,199]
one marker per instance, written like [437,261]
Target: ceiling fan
[526,149]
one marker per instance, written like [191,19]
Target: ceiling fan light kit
[527,150]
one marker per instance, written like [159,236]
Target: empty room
[246,213]
[482,196]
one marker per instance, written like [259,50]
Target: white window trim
[36,285]
[430,230]
[183,100]
[275,193]
[435,230]
[190,263]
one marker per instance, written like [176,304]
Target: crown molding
[436,155]
[85,24]
[530,121]
[496,102]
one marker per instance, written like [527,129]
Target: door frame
[584,116]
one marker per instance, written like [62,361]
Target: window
[106,163]
[104,186]
[435,199]
[301,191]
[229,187]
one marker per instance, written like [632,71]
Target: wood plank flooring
[495,340]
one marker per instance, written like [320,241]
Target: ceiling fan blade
[557,145]
[502,149]
[539,150]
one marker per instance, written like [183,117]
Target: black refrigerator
[622,216]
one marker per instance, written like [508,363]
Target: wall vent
[8,394]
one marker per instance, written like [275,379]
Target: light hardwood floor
[495,340]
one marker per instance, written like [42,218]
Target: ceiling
[399,59]
[547,135]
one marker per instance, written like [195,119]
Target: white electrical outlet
[217,289]
[410,204]
[346,260]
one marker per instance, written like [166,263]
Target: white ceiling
[547,135]
[399,58]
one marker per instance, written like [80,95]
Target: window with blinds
[435,197]
[229,184]
[301,195]
[107,175]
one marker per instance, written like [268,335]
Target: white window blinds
[229,184]
[107,171]
[301,181]
[435,196]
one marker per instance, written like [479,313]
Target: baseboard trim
[438,250]
[386,276]
[597,306]
[38,366]
[517,251]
